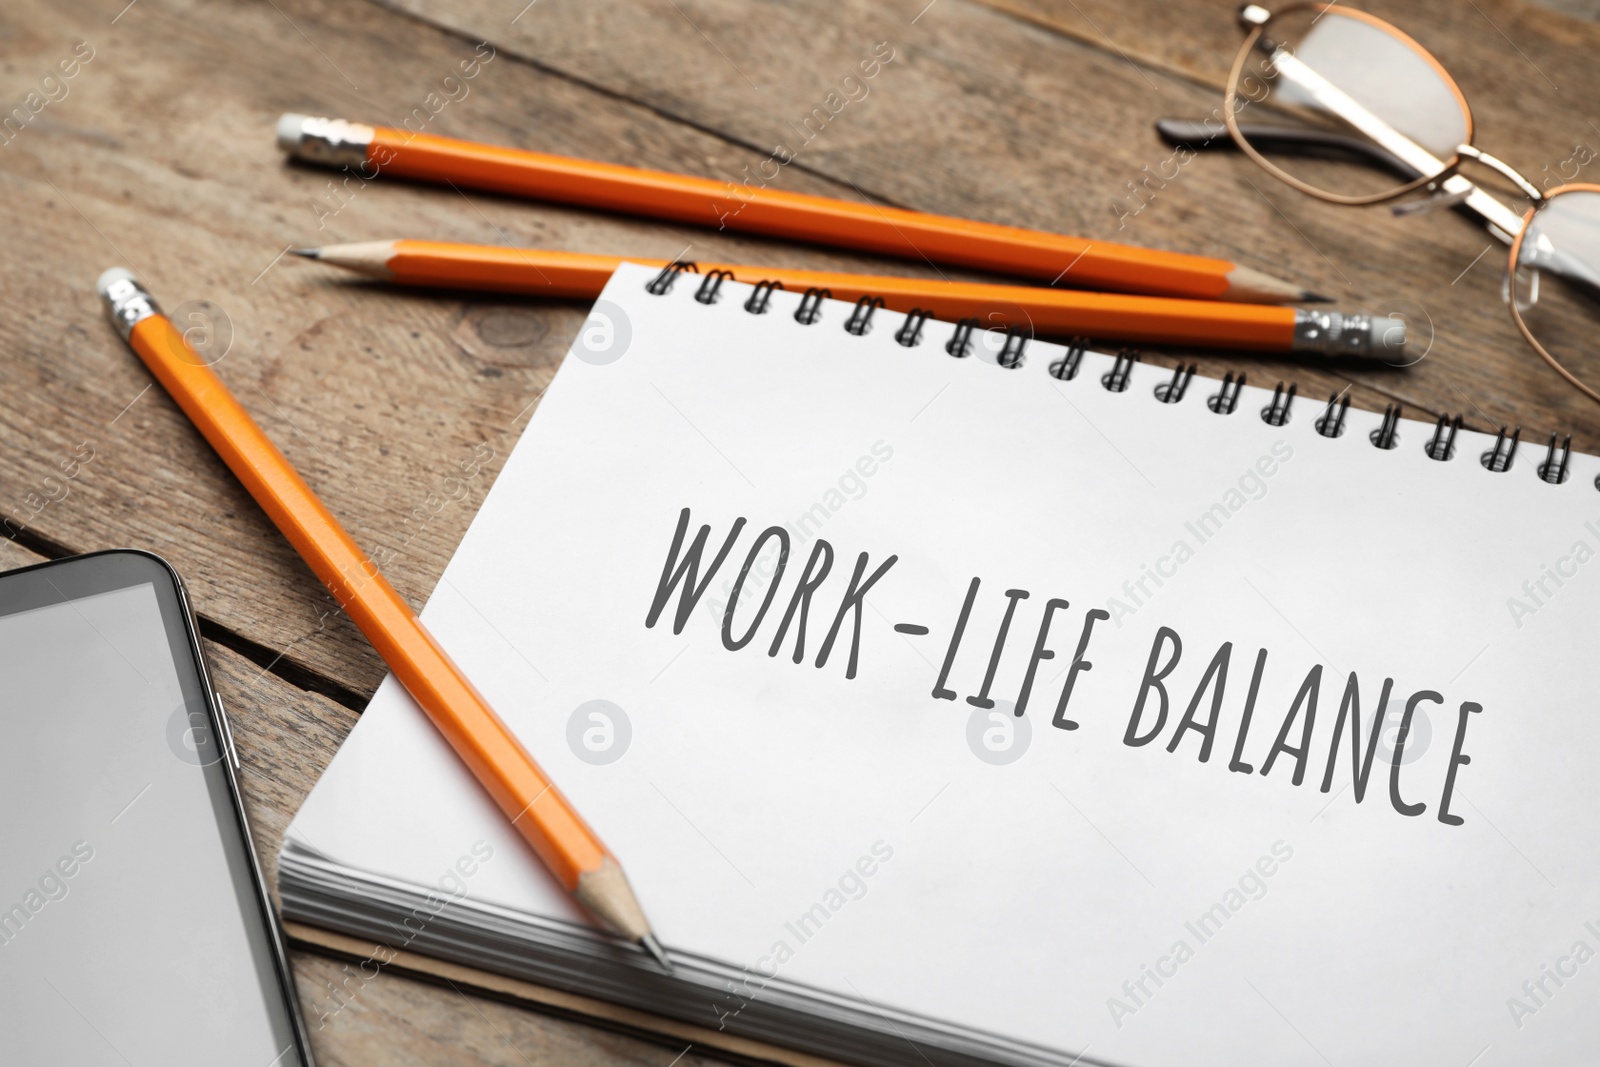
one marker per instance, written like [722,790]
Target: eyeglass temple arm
[1201,135]
[1289,139]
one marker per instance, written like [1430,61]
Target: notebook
[1006,704]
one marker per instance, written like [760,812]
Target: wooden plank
[399,1020]
[1045,120]
[1583,9]
[397,408]
[604,1013]
[286,737]
[1512,57]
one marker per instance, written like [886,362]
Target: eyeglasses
[1346,107]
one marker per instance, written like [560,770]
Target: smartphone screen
[132,925]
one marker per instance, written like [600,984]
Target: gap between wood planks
[271,661]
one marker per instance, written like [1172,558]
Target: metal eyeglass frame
[1397,151]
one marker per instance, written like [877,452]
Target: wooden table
[160,156]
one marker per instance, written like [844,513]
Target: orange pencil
[557,833]
[1051,258]
[1049,312]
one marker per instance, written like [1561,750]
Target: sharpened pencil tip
[309,253]
[652,946]
[1309,297]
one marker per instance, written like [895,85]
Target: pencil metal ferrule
[127,302]
[331,142]
[1352,334]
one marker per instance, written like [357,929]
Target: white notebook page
[1091,895]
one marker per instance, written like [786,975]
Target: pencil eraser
[1389,337]
[111,277]
[290,129]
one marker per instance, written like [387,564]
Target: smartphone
[135,926]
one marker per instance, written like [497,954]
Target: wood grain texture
[1041,112]
[629,1020]
[400,408]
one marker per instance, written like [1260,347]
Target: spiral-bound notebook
[1008,704]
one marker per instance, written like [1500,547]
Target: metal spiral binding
[810,309]
[669,274]
[1549,470]
[1497,461]
[1172,392]
[712,286]
[1010,356]
[1223,401]
[960,343]
[1442,447]
[1116,380]
[1553,470]
[761,297]
[1387,435]
[1277,412]
[909,335]
[861,318]
[1066,368]
[1332,423]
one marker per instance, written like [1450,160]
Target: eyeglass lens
[1366,109]
[1556,283]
